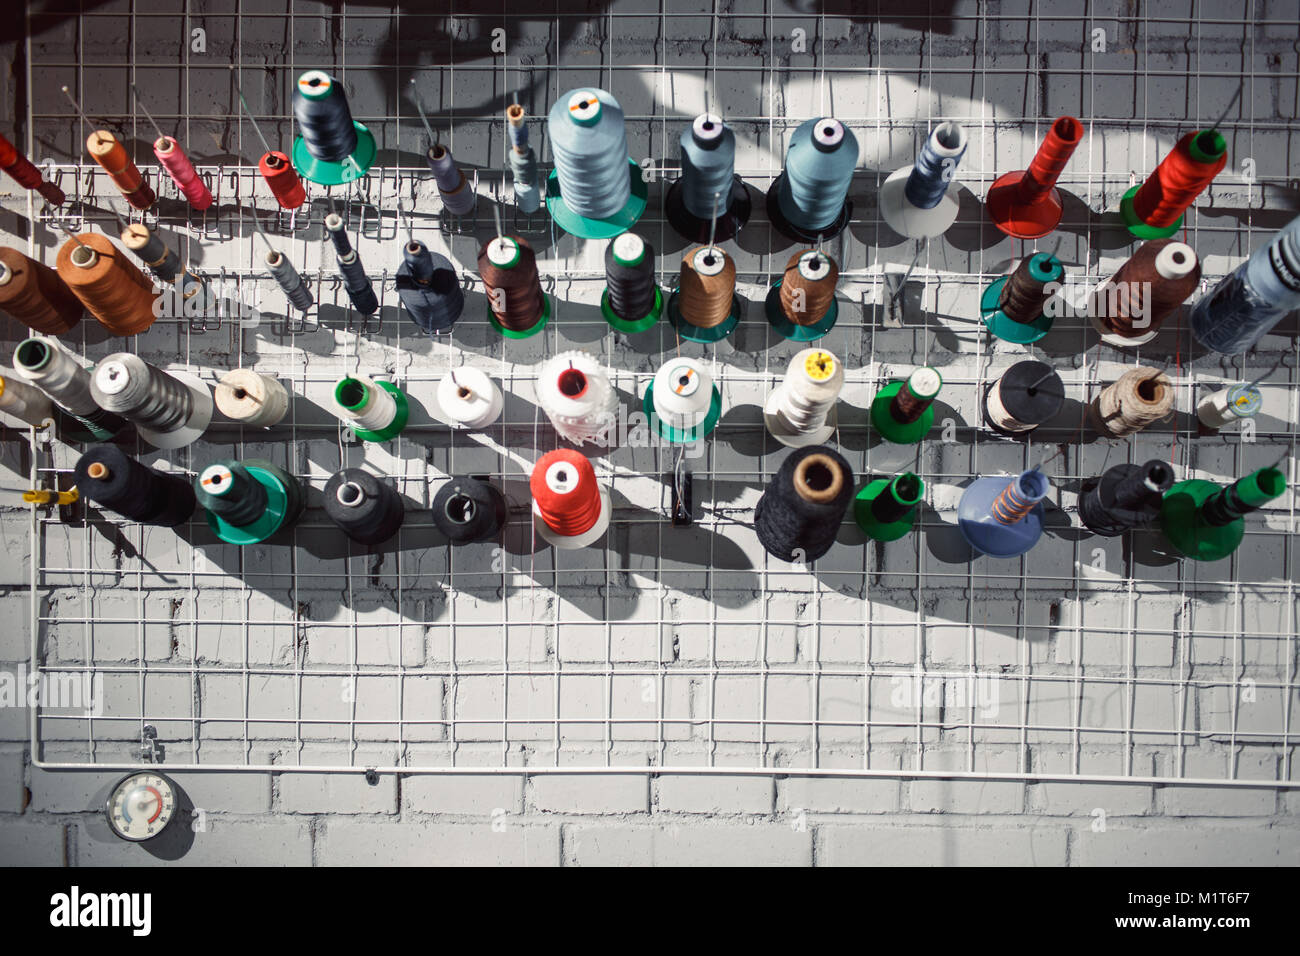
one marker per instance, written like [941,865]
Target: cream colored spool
[1138,398]
[251,398]
[25,402]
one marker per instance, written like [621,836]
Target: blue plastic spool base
[985,533]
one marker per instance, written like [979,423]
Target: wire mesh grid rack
[668,648]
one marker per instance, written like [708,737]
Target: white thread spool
[44,362]
[373,411]
[1229,405]
[251,398]
[575,393]
[683,393]
[25,402]
[796,410]
[469,398]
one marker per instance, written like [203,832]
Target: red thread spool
[1025,204]
[1160,202]
[182,172]
[564,489]
[27,175]
[282,180]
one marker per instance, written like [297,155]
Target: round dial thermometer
[141,806]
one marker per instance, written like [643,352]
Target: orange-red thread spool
[26,174]
[110,286]
[282,180]
[1173,186]
[35,295]
[1025,204]
[565,491]
[111,155]
[182,172]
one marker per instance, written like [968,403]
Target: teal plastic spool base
[695,333]
[398,422]
[682,436]
[608,228]
[284,503]
[80,431]
[325,173]
[1002,325]
[523,333]
[1187,531]
[787,329]
[867,521]
[1139,228]
[620,324]
[893,431]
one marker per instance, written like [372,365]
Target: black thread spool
[367,509]
[802,508]
[1125,496]
[429,288]
[112,479]
[632,289]
[468,510]
[1027,395]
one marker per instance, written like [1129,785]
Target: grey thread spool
[589,144]
[287,277]
[802,508]
[251,398]
[47,365]
[458,196]
[523,161]
[141,393]
[146,244]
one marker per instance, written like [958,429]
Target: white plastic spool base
[195,425]
[577,541]
[1109,337]
[779,430]
[909,220]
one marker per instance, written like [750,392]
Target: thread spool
[112,158]
[885,508]
[333,148]
[596,190]
[251,398]
[903,411]
[800,512]
[523,162]
[1126,496]
[801,304]
[922,200]
[1021,307]
[571,509]
[796,410]
[169,409]
[375,410]
[25,173]
[517,307]
[1155,208]
[281,179]
[182,172]
[33,294]
[632,301]
[1025,204]
[1025,396]
[469,398]
[428,286]
[1138,398]
[705,307]
[148,246]
[112,479]
[1129,308]
[197,297]
[574,392]
[25,403]
[247,502]
[288,279]
[46,364]
[355,281]
[1205,521]
[1228,405]
[682,402]
[809,202]
[708,181]
[458,196]
[1002,516]
[367,509]
[111,288]
[466,510]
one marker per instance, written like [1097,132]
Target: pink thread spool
[182,172]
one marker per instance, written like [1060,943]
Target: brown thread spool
[916,395]
[814,274]
[113,290]
[508,267]
[34,294]
[1155,281]
[706,287]
[1024,298]
[111,156]
[1139,397]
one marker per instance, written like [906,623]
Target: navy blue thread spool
[922,200]
[809,201]
[288,279]
[596,190]
[469,509]
[368,509]
[1026,395]
[112,479]
[708,175]
[355,280]
[1125,496]
[333,148]
[152,251]
[633,300]
[428,286]
[800,512]
[458,196]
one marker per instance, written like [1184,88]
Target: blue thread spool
[809,200]
[596,190]
[708,173]
[1002,516]
[428,287]
[523,161]
[921,201]
[333,148]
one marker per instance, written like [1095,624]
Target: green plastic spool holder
[80,431]
[620,324]
[523,333]
[607,228]
[1140,229]
[895,432]
[284,503]
[682,436]
[393,428]
[893,530]
[1043,267]
[1185,527]
[324,172]
[695,333]
[787,329]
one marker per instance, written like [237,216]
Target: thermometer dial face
[141,806]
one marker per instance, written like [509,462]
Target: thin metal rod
[77,106]
[713,221]
[139,100]
[71,235]
[420,109]
[496,215]
[253,119]
[258,226]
